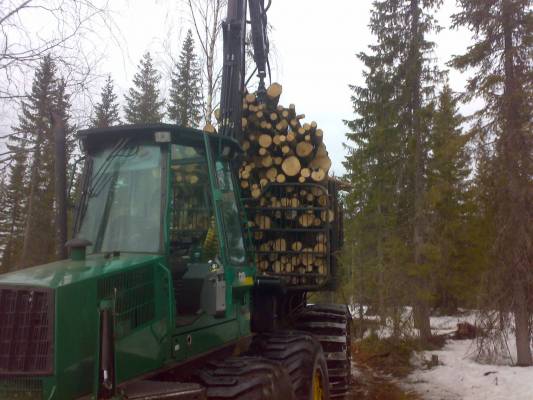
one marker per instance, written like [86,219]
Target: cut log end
[318,175]
[265,140]
[291,166]
[274,91]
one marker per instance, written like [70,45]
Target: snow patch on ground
[460,377]
[443,325]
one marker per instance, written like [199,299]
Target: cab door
[238,269]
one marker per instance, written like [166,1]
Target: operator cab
[166,190]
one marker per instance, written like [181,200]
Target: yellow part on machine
[210,246]
[318,390]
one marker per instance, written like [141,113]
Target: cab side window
[230,214]
[192,228]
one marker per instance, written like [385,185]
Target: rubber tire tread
[299,352]
[245,378]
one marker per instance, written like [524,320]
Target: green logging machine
[160,297]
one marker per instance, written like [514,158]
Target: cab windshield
[121,205]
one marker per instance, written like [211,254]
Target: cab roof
[189,136]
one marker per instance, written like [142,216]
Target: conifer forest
[426,111]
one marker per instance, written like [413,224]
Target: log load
[278,140]
[283,179]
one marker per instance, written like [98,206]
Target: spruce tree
[34,124]
[106,112]
[185,106]
[34,128]
[501,61]
[416,84]
[403,52]
[13,210]
[372,168]
[142,101]
[450,205]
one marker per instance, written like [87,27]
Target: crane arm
[234,69]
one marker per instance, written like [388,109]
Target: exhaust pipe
[60,175]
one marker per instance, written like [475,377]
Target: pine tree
[107,110]
[185,106]
[501,60]
[142,101]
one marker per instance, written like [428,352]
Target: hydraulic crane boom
[234,68]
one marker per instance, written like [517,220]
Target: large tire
[330,324]
[245,378]
[301,354]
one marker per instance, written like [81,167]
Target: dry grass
[381,362]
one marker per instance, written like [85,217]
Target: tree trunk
[380,267]
[522,327]
[514,202]
[421,309]
[29,227]
[421,319]
[60,183]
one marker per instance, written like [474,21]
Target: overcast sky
[315,43]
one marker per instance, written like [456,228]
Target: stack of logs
[284,176]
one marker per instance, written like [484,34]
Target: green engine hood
[141,318]
[67,272]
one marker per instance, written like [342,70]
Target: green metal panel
[201,341]
[140,287]
[144,340]
[76,338]
[67,272]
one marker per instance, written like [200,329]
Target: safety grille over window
[26,330]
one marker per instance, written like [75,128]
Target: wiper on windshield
[99,179]
[105,215]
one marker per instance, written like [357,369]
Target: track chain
[330,324]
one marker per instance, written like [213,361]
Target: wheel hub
[318,390]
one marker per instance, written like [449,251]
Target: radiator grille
[134,291]
[26,331]
[21,389]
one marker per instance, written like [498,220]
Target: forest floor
[382,364]
[404,370]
